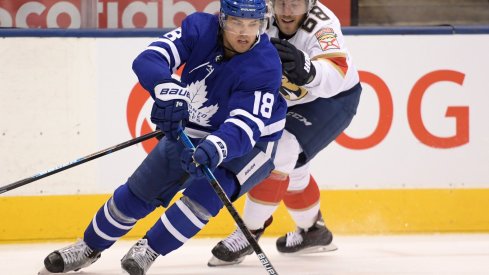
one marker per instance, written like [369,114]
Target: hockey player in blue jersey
[229,103]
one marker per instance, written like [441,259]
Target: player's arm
[327,49]
[154,68]
[330,64]
[251,113]
[296,64]
[157,63]
[331,61]
[326,70]
[240,131]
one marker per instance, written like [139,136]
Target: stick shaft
[78,161]
[227,202]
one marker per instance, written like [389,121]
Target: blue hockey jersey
[235,100]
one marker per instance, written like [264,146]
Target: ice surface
[372,255]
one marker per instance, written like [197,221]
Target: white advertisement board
[420,123]
[422,117]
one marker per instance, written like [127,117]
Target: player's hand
[170,109]
[296,65]
[206,153]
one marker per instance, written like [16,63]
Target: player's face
[243,26]
[240,33]
[289,14]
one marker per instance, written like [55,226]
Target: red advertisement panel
[117,14]
[40,14]
[150,14]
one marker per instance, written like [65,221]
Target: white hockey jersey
[321,38]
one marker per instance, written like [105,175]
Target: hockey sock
[115,218]
[263,200]
[185,218]
[303,205]
[178,224]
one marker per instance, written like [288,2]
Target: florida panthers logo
[290,91]
[328,39]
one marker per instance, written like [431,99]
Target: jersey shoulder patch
[327,39]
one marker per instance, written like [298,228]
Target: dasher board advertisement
[122,14]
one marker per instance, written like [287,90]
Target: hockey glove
[170,109]
[296,65]
[206,153]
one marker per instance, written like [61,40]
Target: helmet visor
[243,26]
[290,7]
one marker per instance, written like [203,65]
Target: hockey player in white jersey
[322,89]
[229,102]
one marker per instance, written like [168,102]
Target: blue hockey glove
[296,65]
[206,153]
[170,109]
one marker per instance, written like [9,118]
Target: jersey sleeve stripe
[337,60]
[174,51]
[273,128]
[241,112]
[245,127]
[161,51]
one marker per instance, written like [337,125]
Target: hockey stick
[225,200]
[79,161]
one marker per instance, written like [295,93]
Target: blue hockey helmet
[256,9]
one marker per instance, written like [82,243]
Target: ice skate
[70,258]
[315,239]
[139,258]
[235,247]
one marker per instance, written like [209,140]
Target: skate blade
[44,271]
[314,249]
[215,262]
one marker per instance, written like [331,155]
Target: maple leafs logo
[198,93]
